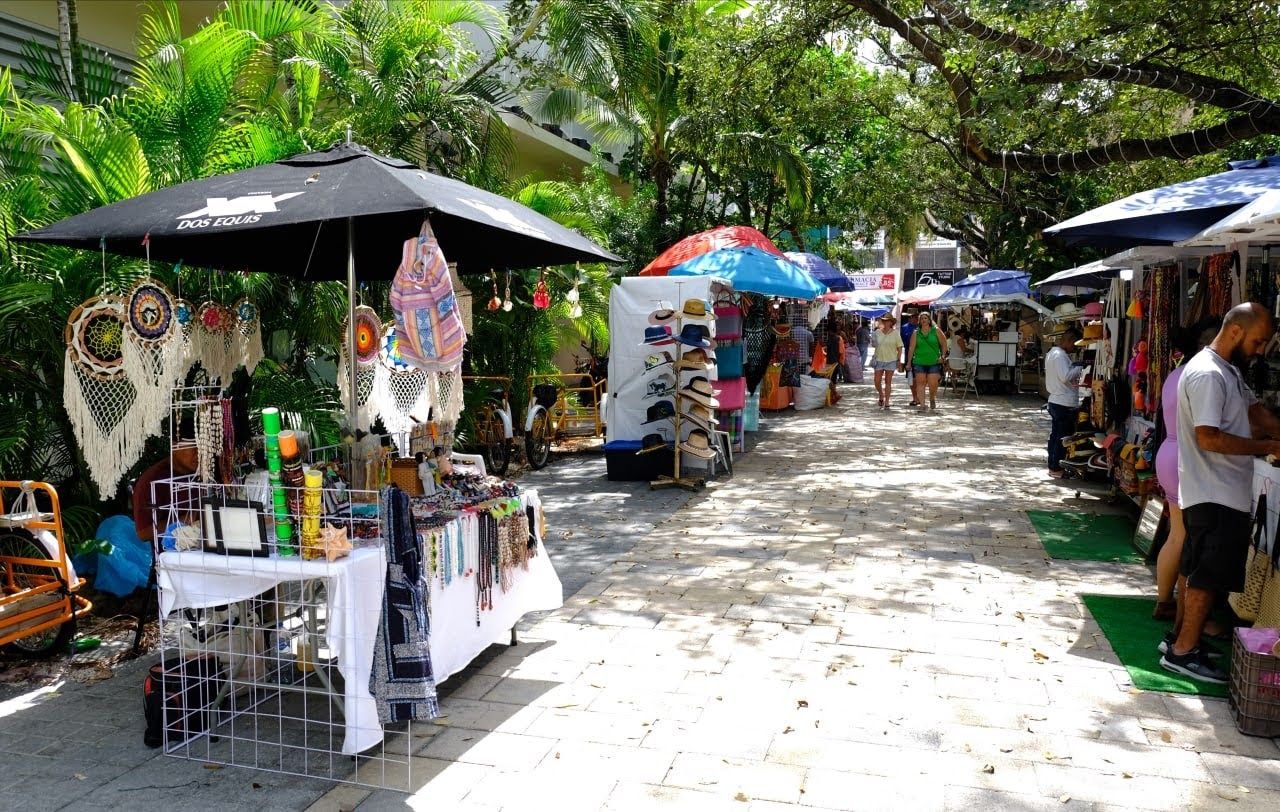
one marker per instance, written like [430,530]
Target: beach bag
[1259,572]
[428,321]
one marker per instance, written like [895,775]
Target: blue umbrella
[1168,214]
[986,285]
[754,271]
[821,270]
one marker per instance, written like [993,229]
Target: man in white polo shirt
[1219,426]
[1060,379]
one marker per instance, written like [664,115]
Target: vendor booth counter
[997,363]
[289,650]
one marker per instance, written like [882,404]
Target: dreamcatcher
[403,395]
[96,391]
[248,334]
[214,341]
[150,354]
[184,314]
[368,338]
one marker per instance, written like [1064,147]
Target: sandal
[1165,610]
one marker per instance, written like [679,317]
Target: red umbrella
[695,245]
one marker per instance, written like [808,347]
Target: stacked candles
[311,516]
[284,528]
[291,473]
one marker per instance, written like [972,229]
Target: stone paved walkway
[861,618]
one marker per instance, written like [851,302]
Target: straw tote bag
[1247,603]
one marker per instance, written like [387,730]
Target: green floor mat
[1086,536]
[1134,636]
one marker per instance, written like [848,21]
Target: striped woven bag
[428,321]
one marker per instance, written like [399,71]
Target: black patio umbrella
[315,216]
[320,216]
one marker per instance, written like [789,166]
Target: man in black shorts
[1219,420]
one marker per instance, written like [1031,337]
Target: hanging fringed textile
[402,395]
[448,396]
[368,347]
[248,335]
[151,353]
[214,341]
[184,313]
[1161,285]
[1221,282]
[98,395]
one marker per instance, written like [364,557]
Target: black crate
[624,464]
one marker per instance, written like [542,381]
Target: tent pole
[351,324]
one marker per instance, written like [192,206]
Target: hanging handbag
[428,321]
[1248,602]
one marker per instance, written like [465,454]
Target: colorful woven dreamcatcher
[403,394]
[184,314]
[248,334]
[97,393]
[368,340]
[151,352]
[214,341]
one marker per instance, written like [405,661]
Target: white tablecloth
[194,580]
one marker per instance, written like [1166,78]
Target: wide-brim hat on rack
[697,358]
[1066,311]
[657,336]
[1092,311]
[651,441]
[659,411]
[657,360]
[660,386]
[1092,334]
[698,444]
[664,313]
[695,335]
[697,310]
[692,408]
[701,420]
[699,389]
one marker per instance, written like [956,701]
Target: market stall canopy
[987,283]
[821,270]
[291,217]
[996,300]
[1169,214]
[923,295]
[754,271]
[1079,280]
[1258,222]
[695,245]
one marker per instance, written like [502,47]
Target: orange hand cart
[39,604]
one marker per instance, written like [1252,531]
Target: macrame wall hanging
[403,394]
[214,341]
[97,393]
[248,334]
[152,352]
[368,342]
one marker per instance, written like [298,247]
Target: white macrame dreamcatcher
[448,396]
[96,392]
[184,313]
[248,334]
[151,352]
[368,340]
[213,341]
[403,394]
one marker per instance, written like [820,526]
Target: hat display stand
[661,330]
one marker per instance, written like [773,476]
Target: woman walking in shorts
[888,356]
[927,355]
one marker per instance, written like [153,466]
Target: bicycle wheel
[537,442]
[18,543]
[497,450]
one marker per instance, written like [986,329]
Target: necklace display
[209,435]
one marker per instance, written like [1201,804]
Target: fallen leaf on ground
[1040,655]
[988,768]
[213,766]
[741,797]
[1064,799]
[802,703]
[1165,737]
[1006,749]
[789,729]
[81,777]
[1224,796]
[1125,775]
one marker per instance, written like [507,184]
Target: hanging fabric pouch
[428,321]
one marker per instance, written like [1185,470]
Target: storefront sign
[873,281]
[914,278]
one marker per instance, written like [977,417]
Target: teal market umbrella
[754,271]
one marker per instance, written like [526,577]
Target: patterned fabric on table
[402,682]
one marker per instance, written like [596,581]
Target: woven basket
[404,474]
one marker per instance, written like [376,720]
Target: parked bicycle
[492,430]
[562,406]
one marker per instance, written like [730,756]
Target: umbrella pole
[351,324]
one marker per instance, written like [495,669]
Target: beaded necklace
[208,439]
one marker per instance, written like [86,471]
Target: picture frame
[234,527]
[1153,527]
